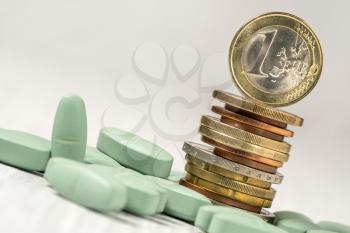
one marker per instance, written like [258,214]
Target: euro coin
[276,59]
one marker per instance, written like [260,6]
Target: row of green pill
[127,172]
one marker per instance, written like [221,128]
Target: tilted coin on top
[276,59]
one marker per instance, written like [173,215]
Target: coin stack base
[242,151]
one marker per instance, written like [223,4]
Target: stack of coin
[244,149]
[275,60]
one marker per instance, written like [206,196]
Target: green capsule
[69,133]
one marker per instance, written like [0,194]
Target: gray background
[50,48]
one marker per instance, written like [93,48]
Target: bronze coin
[251,129]
[256,116]
[244,161]
[219,198]
[256,124]
[257,158]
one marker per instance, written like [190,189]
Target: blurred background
[150,66]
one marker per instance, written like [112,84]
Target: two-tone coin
[276,59]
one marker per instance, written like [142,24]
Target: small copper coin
[234,115]
[256,116]
[244,161]
[270,162]
[219,198]
[251,129]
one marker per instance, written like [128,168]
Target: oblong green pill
[228,223]
[296,225]
[24,150]
[69,132]
[321,231]
[206,213]
[279,215]
[135,152]
[334,226]
[78,183]
[183,203]
[163,197]
[143,195]
[94,156]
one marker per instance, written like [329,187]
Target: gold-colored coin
[229,183]
[205,153]
[226,173]
[242,145]
[235,132]
[241,197]
[216,198]
[276,59]
[259,109]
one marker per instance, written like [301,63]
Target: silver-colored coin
[205,153]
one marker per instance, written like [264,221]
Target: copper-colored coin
[245,161]
[219,198]
[251,129]
[270,162]
[256,116]
[273,132]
